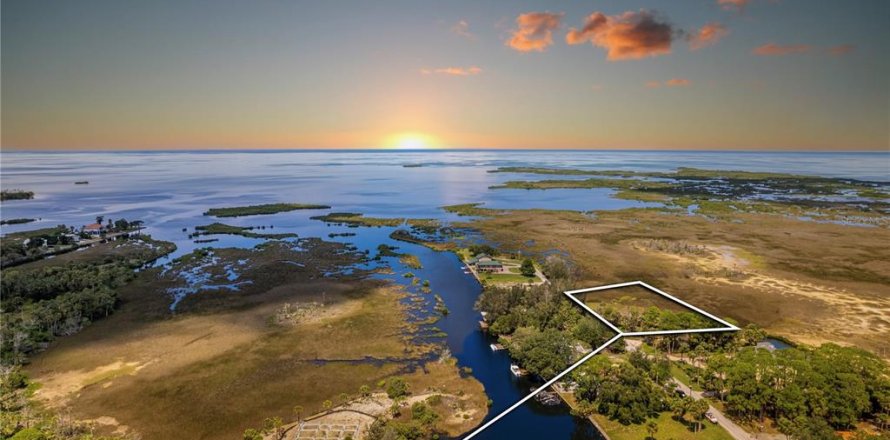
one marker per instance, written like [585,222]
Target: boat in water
[516,370]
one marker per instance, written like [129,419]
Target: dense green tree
[697,410]
[629,396]
[527,268]
[801,388]
[544,354]
[396,387]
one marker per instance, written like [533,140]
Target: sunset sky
[702,74]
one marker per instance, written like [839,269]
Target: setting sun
[410,140]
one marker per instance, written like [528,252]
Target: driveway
[734,430]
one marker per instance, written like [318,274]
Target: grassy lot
[684,378]
[668,428]
[507,278]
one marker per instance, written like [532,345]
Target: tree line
[40,304]
[808,392]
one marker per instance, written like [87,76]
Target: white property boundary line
[619,334]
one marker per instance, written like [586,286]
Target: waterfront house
[93,229]
[491,266]
[484,263]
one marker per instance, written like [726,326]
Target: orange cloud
[462,28]
[453,71]
[772,49]
[534,31]
[842,49]
[708,35]
[677,82]
[733,5]
[628,36]
[673,82]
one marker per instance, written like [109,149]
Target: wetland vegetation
[718,192]
[356,336]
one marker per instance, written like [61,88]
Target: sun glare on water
[410,140]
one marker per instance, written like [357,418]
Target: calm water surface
[171,190]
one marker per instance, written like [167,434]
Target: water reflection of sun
[410,140]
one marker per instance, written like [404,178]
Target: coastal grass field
[225,362]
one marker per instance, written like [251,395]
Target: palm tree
[274,425]
[298,411]
[327,405]
[651,429]
[698,409]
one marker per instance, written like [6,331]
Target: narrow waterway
[471,347]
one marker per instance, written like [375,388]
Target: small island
[244,231]
[357,219]
[271,208]
[16,194]
[16,221]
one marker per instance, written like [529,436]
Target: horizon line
[424,150]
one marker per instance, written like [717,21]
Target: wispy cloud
[534,32]
[733,5]
[673,82]
[840,50]
[453,71]
[462,28]
[773,49]
[627,36]
[708,35]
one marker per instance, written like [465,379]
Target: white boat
[515,370]
[495,347]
